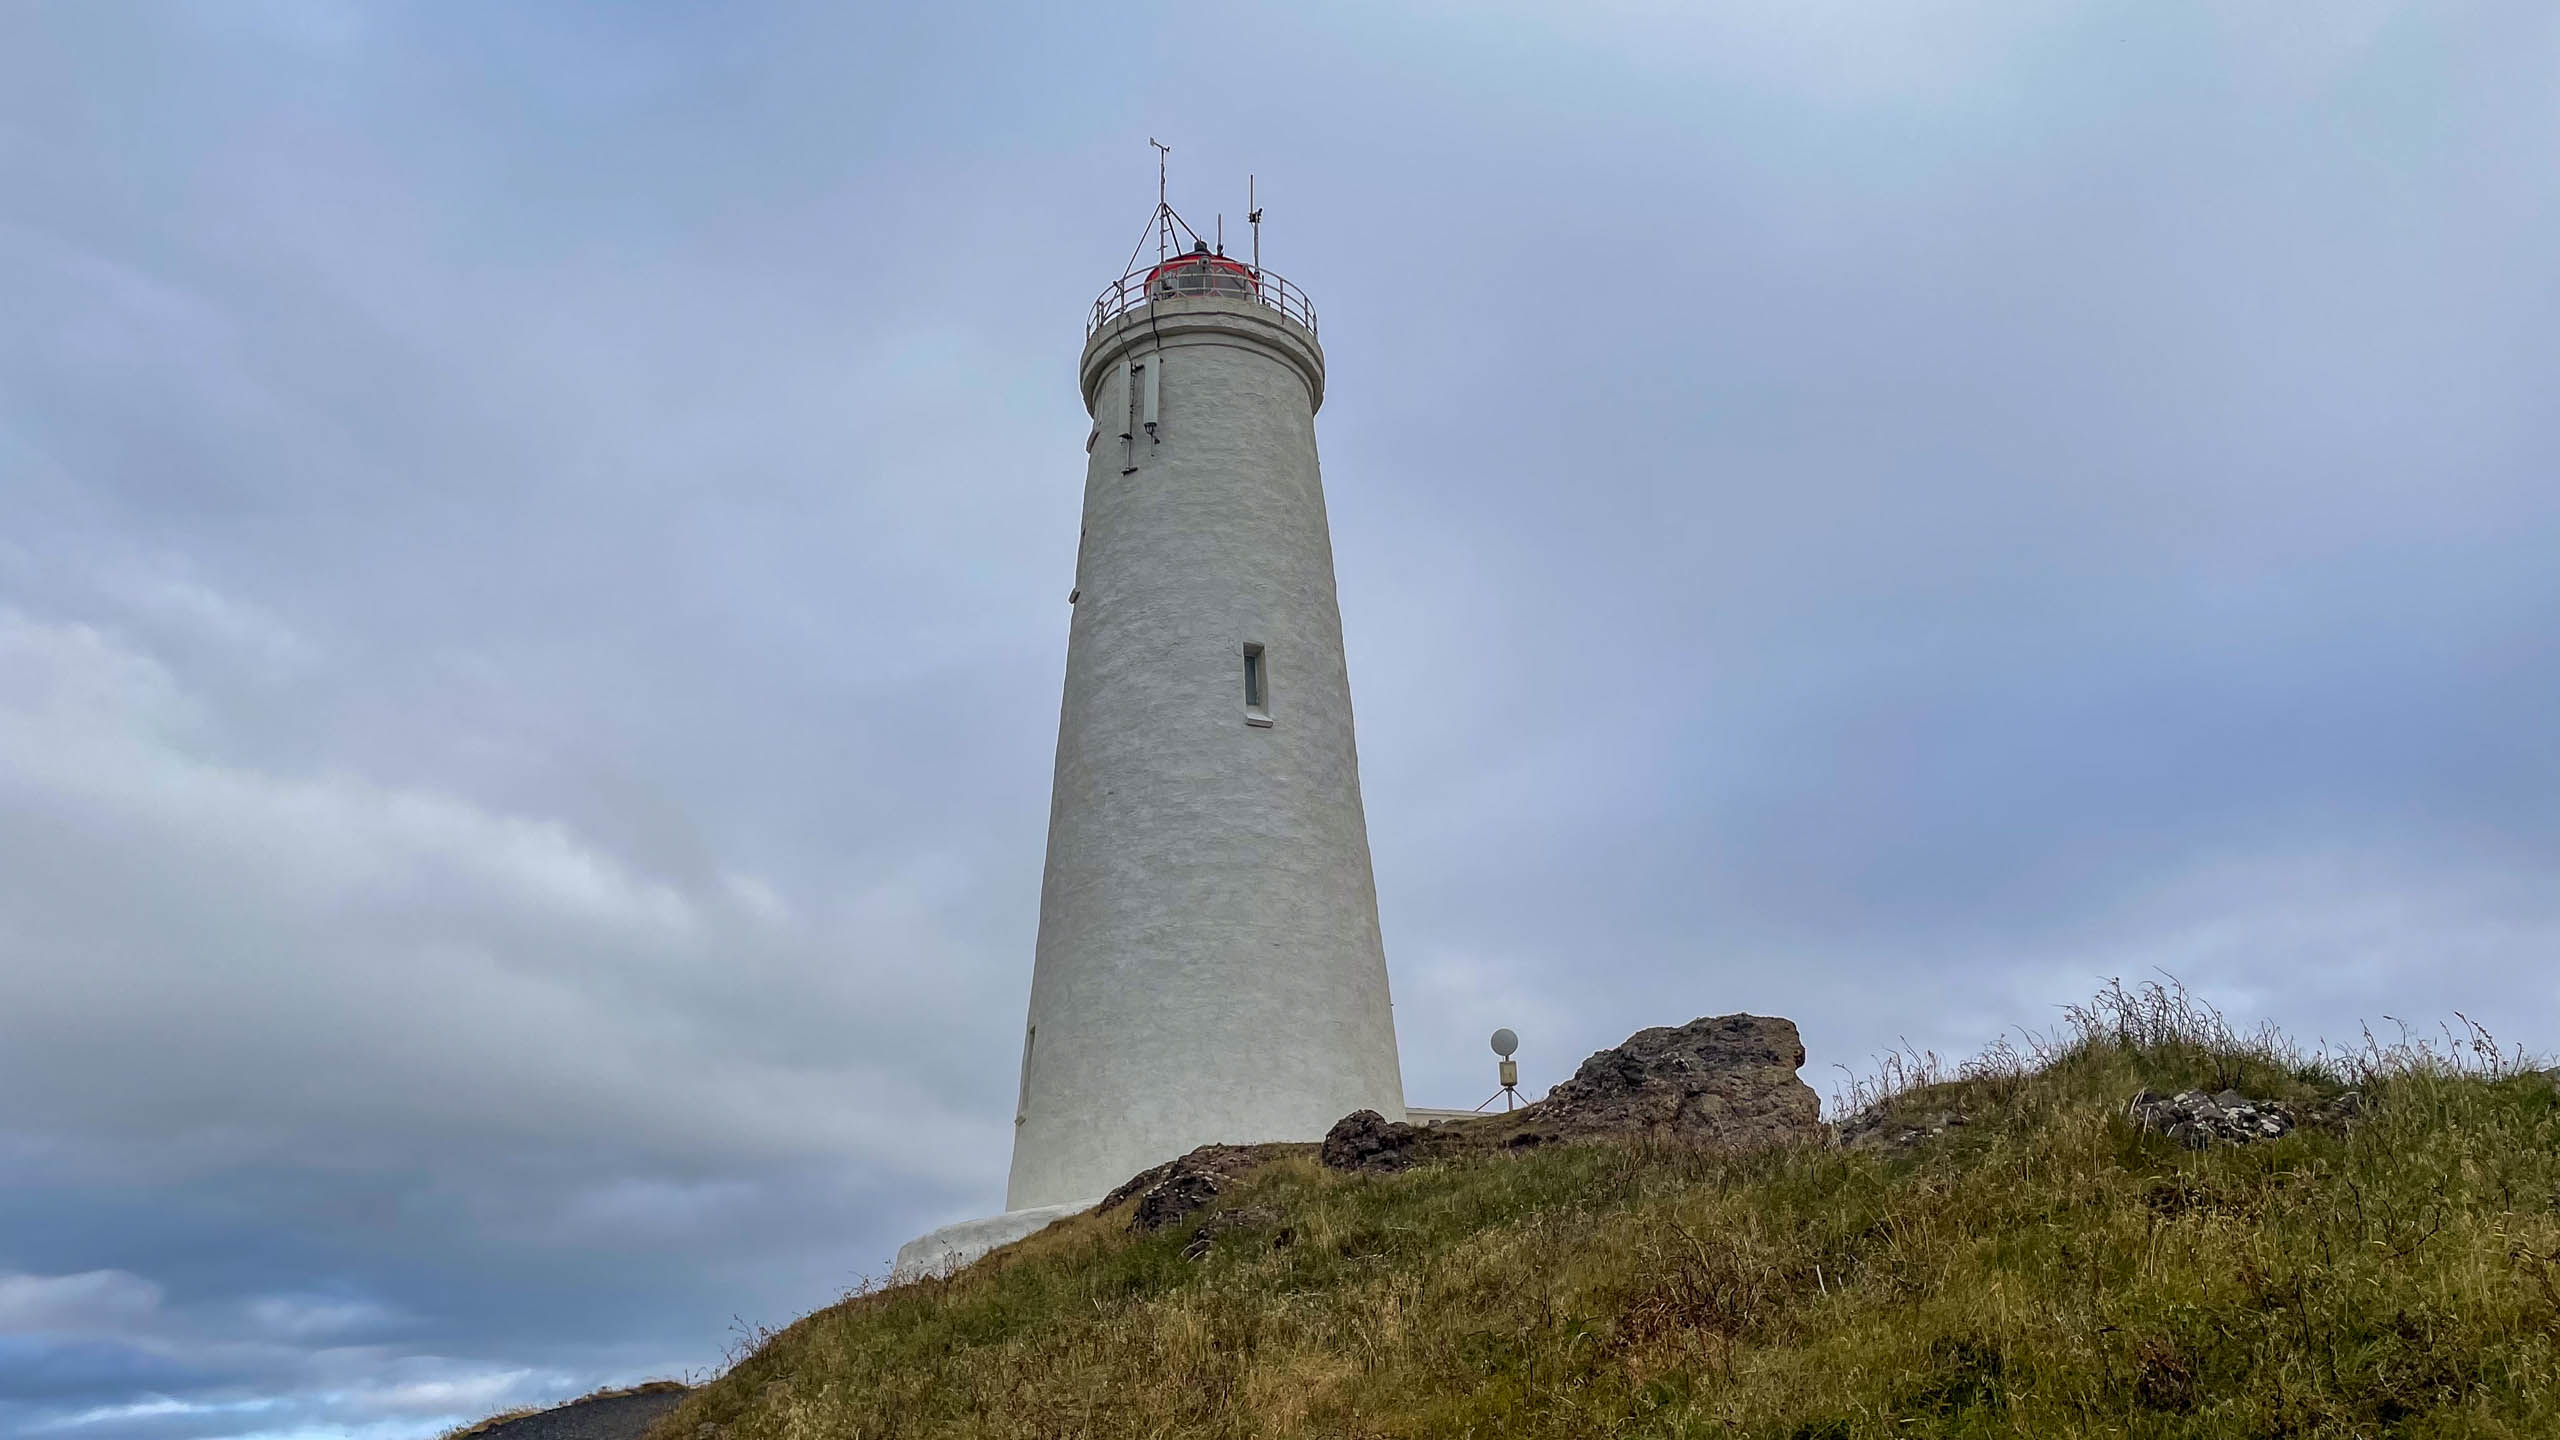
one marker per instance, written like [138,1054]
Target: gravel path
[615,1417]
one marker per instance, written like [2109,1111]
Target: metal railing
[1198,277]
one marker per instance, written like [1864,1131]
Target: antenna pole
[1253,214]
[1164,228]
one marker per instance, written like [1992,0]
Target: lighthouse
[1209,966]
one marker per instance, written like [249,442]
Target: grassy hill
[2012,1255]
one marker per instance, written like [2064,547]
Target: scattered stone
[1365,1140]
[2196,1120]
[1725,1080]
[1881,1127]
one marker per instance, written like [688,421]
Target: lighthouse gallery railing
[1201,276]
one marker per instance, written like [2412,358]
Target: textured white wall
[1209,967]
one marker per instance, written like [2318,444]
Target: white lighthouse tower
[1209,966]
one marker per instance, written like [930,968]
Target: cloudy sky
[534,541]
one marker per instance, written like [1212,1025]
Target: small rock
[2196,1120]
[1365,1140]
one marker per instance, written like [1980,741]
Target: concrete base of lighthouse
[942,1251]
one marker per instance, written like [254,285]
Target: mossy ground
[2044,1269]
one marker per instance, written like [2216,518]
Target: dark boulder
[1176,1196]
[1366,1140]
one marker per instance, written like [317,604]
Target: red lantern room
[1202,273]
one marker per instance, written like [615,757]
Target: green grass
[2043,1269]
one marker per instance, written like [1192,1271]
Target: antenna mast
[1166,220]
[1164,228]
[1253,213]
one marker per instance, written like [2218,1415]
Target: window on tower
[1257,685]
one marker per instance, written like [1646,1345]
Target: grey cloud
[102,1352]
[533,547]
[73,1304]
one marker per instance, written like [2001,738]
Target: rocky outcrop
[1726,1080]
[1368,1141]
[2198,1120]
[1176,1196]
[1182,1187]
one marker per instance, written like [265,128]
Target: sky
[534,543]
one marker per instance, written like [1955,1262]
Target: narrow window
[1257,685]
[1022,1101]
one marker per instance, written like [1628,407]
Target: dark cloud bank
[533,545]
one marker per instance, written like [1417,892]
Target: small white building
[1209,967]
